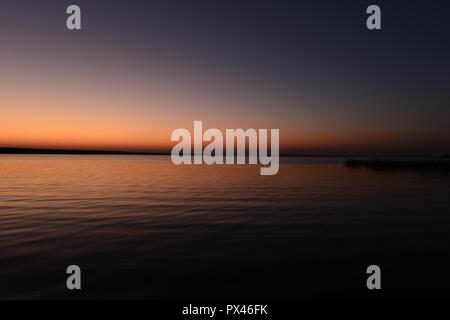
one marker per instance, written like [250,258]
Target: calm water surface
[141,227]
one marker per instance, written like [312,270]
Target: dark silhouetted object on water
[415,165]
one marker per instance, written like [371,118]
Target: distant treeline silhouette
[82,152]
[415,165]
[9,150]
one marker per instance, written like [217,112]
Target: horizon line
[17,150]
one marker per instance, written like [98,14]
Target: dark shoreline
[442,165]
[74,152]
[8,150]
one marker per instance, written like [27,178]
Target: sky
[140,69]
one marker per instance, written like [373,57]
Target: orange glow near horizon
[112,113]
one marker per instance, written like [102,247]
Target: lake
[141,227]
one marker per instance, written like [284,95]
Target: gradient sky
[140,69]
